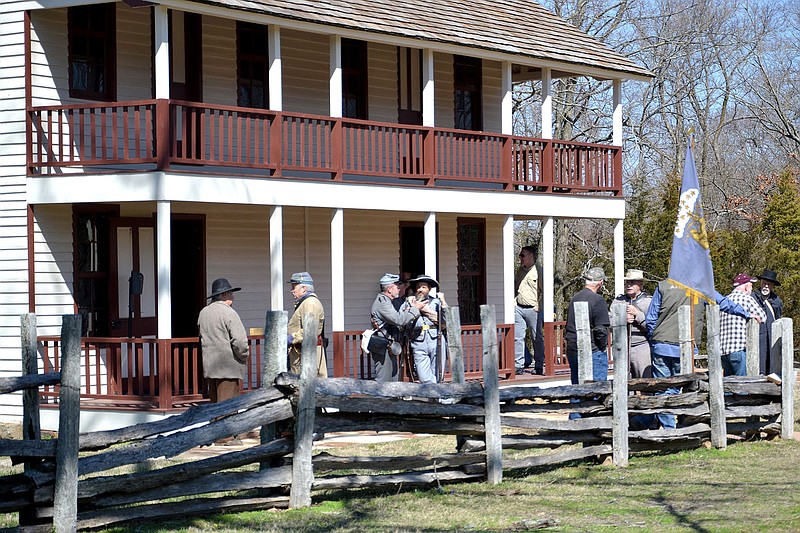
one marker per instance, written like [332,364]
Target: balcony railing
[178,135]
[153,374]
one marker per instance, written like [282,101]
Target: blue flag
[690,263]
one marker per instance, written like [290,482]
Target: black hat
[770,275]
[221,285]
[427,279]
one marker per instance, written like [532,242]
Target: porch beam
[428,116]
[337,270]
[275,68]
[547,104]
[508,270]
[619,258]
[164,254]
[161,47]
[276,257]
[548,269]
[429,231]
[335,83]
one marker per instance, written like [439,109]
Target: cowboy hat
[770,275]
[427,279]
[220,286]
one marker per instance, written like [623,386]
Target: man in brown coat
[224,343]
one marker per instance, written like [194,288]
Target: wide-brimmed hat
[770,275]
[221,285]
[634,275]
[427,279]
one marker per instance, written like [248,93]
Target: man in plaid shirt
[733,329]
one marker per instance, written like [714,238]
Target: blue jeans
[734,364]
[599,366]
[524,319]
[664,367]
[599,372]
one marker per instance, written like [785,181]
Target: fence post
[455,350]
[753,350]
[685,339]
[584,334]
[65,500]
[31,427]
[788,378]
[273,362]
[620,349]
[716,395]
[302,469]
[491,396]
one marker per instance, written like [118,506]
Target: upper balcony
[180,136]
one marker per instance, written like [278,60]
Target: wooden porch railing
[164,374]
[173,134]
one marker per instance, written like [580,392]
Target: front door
[132,243]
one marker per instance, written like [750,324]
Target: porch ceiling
[518,27]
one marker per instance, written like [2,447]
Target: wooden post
[716,397]
[775,350]
[455,350]
[491,396]
[31,427]
[788,377]
[273,362]
[302,469]
[753,350]
[620,349]
[65,500]
[685,339]
[584,333]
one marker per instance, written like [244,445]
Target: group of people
[654,344]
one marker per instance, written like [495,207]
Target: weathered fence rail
[87,490]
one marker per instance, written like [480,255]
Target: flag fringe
[694,294]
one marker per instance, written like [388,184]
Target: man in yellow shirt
[526,312]
[305,301]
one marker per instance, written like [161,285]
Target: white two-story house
[192,140]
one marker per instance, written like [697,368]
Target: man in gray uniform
[390,323]
[426,329]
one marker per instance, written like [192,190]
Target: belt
[426,328]
[525,306]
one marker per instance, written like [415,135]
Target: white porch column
[508,270]
[275,73]
[163,251]
[547,105]
[548,269]
[616,134]
[429,232]
[276,258]
[161,47]
[335,85]
[507,105]
[337,270]
[619,259]
[428,118]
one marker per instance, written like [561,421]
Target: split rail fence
[93,480]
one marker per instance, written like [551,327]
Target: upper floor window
[467,91]
[92,51]
[252,65]
[354,79]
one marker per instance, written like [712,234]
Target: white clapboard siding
[134,53]
[13,215]
[492,97]
[382,76]
[219,61]
[49,72]
[53,259]
[443,93]
[305,60]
